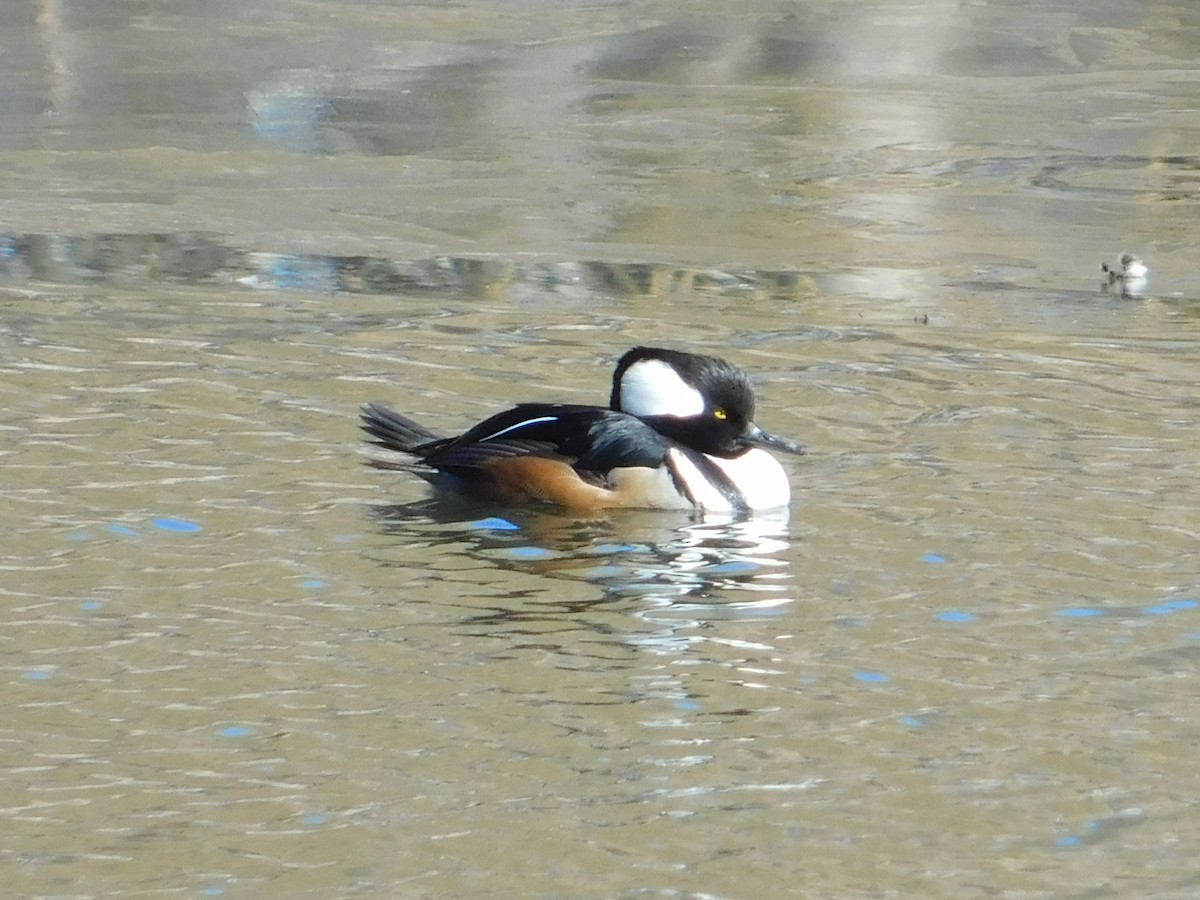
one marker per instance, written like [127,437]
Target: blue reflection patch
[1080,612]
[1162,609]
[494,523]
[531,553]
[953,615]
[874,677]
[933,558]
[182,526]
[732,567]
[606,549]
[303,273]
[236,731]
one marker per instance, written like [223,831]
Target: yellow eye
[721,414]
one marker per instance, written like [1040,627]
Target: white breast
[648,488]
[758,475]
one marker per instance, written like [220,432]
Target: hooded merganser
[678,434]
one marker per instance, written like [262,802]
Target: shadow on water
[206,258]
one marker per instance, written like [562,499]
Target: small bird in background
[1128,275]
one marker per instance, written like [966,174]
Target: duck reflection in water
[724,565]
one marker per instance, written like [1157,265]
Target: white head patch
[650,387]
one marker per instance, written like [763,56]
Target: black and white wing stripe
[590,438]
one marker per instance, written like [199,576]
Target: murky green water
[240,662]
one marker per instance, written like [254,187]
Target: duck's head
[702,402]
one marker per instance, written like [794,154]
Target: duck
[678,433]
[1129,272]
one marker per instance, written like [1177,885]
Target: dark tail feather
[397,432]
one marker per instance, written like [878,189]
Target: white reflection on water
[703,567]
[708,556]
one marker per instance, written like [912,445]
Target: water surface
[242,662]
